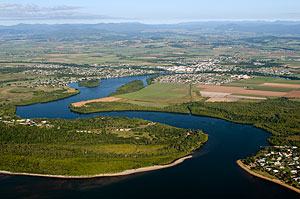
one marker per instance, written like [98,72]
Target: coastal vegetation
[90,83]
[129,87]
[99,145]
[278,116]
[95,107]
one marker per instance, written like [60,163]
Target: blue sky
[147,11]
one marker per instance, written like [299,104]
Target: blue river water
[211,173]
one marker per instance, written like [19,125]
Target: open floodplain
[165,96]
[212,168]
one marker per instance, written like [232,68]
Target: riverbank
[123,173]
[247,169]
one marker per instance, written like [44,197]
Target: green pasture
[158,95]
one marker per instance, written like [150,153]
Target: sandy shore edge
[247,169]
[123,173]
[103,99]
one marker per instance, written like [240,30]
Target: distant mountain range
[260,27]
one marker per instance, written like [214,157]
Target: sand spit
[105,99]
[123,173]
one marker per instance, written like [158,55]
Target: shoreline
[246,168]
[123,173]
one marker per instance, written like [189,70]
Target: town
[204,78]
[230,65]
[281,162]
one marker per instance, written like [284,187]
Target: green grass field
[155,97]
[158,95]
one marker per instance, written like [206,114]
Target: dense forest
[281,117]
[92,146]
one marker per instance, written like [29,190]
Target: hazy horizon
[146,23]
[149,12]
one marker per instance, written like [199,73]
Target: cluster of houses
[217,65]
[203,78]
[279,161]
[28,122]
[228,65]
[83,131]
[77,74]
[55,82]
[123,130]
[200,67]
[98,72]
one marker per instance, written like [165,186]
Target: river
[211,173]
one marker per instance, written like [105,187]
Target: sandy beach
[123,173]
[246,168]
[105,99]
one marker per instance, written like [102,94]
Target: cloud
[8,5]
[34,12]
[295,13]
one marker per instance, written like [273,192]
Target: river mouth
[211,173]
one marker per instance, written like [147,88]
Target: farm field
[162,95]
[155,97]
[261,80]
[255,88]
[159,95]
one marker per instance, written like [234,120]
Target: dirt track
[226,99]
[222,89]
